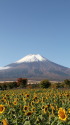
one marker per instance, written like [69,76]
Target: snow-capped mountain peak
[32,58]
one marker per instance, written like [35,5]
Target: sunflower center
[1,108]
[62,115]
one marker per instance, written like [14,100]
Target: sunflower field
[35,107]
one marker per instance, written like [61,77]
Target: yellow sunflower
[15,102]
[26,107]
[62,114]
[5,122]
[2,108]
[45,109]
[27,95]
[69,110]
[28,113]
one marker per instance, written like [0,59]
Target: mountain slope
[35,67]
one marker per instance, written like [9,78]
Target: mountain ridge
[35,67]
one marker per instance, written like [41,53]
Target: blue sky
[35,27]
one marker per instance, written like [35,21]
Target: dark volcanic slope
[36,70]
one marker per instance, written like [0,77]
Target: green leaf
[41,117]
[27,123]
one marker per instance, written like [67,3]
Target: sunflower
[15,102]
[32,103]
[15,99]
[26,107]
[5,122]
[27,95]
[29,113]
[52,107]
[33,109]
[62,114]
[45,109]
[35,98]
[69,110]
[2,108]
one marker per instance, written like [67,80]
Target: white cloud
[3,68]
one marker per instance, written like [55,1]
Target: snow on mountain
[3,68]
[32,58]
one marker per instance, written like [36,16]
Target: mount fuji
[34,66]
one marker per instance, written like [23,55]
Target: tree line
[23,83]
